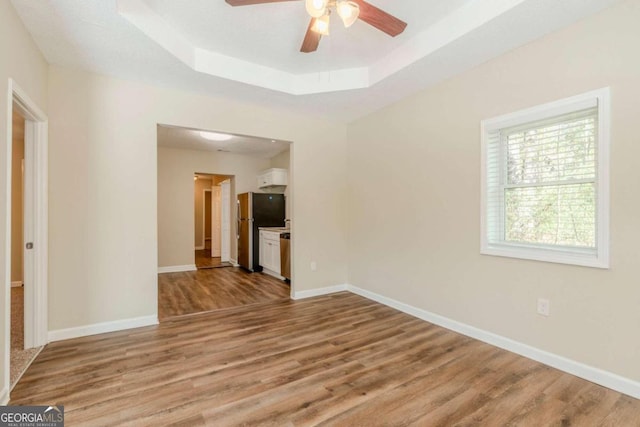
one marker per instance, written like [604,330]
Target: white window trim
[553,254]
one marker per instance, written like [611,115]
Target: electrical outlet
[314,266]
[544,306]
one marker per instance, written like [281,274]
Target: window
[545,182]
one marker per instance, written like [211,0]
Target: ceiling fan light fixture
[348,12]
[321,25]
[316,8]
[214,136]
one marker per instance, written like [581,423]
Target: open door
[215,222]
[35,234]
[35,218]
[225,221]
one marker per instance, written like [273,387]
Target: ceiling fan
[348,10]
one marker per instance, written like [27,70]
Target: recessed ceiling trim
[270,78]
[458,23]
[138,13]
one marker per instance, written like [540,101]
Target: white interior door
[35,222]
[225,221]
[215,222]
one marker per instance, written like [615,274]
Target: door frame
[215,214]
[204,216]
[35,221]
[225,211]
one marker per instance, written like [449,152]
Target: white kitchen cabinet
[270,252]
[273,178]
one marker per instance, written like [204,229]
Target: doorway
[212,220]
[19,355]
[188,158]
[26,255]
[208,223]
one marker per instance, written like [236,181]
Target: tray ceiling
[251,53]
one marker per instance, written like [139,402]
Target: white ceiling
[250,53]
[190,139]
[271,34]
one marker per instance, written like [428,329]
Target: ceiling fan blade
[250,2]
[311,39]
[380,19]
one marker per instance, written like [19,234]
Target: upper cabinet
[273,180]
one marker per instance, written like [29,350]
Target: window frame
[551,253]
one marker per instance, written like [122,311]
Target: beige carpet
[20,358]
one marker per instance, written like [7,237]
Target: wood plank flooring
[213,289]
[203,259]
[337,360]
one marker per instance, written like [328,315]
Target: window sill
[547,255]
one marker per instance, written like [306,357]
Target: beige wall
[21,61]
[198,214]
[103,203]
[282,161]
[176,214]
[414,199]
[16,196]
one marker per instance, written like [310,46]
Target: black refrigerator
[256,210]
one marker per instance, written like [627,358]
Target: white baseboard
[16,284]
[101,328]
[318,292]
[177,268]
[4,397]
[589,373]
[234,262]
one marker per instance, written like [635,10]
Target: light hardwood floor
[337,360]
[215,288]
[204,260]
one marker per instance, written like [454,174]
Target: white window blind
[541,183]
